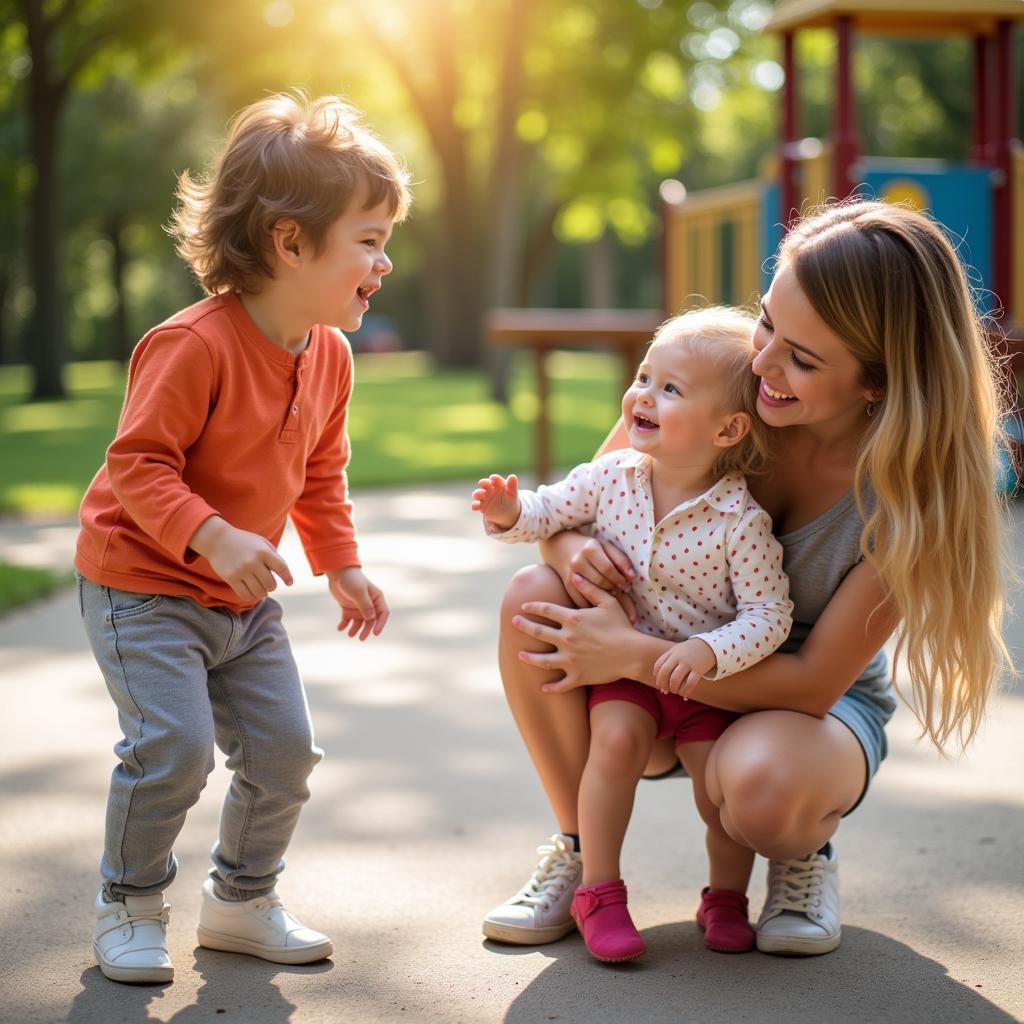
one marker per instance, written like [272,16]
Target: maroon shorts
[686,721]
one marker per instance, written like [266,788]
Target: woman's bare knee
[769,787]
[532,583]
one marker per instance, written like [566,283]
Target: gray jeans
[184,677]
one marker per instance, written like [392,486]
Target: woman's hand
[599,562]
[591,643]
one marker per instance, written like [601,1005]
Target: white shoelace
[796,884]
[556,866]
[161,916]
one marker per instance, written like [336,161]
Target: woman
[873,366]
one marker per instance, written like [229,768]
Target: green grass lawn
[408,424]
[19,584]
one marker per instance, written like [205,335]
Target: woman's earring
[872,408]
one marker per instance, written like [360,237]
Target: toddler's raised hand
[682,667]
[496,498]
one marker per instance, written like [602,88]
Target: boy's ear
[733,429]
[286,240]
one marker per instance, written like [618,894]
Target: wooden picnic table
[544,330]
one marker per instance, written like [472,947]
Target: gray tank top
[817,557]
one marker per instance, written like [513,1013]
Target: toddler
[233,420]
[708,574]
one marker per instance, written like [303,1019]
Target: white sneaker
[130,938]
[259,927]
[539,912]
[801,910]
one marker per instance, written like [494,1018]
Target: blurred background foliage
[537,132]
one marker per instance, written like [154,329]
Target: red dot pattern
[711,568]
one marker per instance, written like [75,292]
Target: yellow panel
[747,251]
[693,245]
[708,270]
[815,179]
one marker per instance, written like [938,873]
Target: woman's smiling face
[807,374]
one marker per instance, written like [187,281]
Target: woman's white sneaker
[801,910]
[130,938]
[258,927]
[539,912]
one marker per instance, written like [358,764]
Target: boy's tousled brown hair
[286,157]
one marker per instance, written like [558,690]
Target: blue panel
[957,195]
[771,232]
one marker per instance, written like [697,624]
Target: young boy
[233,420]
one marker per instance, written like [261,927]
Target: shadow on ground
[679,981]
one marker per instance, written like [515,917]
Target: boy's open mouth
[643,423]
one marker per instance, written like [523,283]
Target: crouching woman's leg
[782,781]
[556,733]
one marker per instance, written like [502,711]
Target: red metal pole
[1002,143]
[981,120]
[790,128]
[845,145]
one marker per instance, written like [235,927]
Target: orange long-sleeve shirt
[218,420]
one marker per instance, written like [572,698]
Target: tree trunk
[506,199]
[45,330]
[599,284]
[537,253]
[461,297]
[6,357]
[459,256]
[122,335]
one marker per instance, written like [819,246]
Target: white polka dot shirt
[710,569]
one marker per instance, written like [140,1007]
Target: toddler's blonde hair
[724,335]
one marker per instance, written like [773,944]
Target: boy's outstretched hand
[496,498]
[363,608]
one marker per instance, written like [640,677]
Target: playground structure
[718,243]
[715,240]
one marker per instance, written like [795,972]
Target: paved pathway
[425,812]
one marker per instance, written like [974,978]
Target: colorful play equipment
[715,240]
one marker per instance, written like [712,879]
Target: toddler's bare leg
[554,727]
[730,862]
[620,743]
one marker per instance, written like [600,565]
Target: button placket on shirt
[291,425]
[683,597]
[643,481]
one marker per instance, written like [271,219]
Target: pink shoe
[602,916]
[723,916]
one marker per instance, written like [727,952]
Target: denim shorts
[864,716]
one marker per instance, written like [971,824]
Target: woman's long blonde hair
[889,283]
